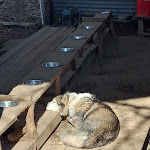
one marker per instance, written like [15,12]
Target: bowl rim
[33,80]
[104,12]
[91,27]
[59,64]
[61,49]
[15,103]
[81,37]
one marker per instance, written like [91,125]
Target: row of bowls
[57,64]
[5,104]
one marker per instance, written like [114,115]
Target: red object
[143,8]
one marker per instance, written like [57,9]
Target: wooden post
[101,41]
[57,85]
[30,128]
[111,24]
[80,53]
[140,26]
[73,65]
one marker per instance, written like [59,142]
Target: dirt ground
[123,74]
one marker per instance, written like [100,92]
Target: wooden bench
[24,62]
[26,56]
[140,30]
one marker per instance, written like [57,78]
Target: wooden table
[24,62]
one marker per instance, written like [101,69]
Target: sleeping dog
[95,123]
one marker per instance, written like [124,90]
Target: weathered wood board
[45,126]
[134,120]
[31,60]
[25,95]
[48,74]
[99,17]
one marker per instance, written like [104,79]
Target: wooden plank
[57,85]
[21,45]
[13,42]
[32,59]
[142,17]
[99,17]
[92,19]
[140,27]
[24,94]
[23,49]
[69,74]
[45,126]
[7,47]
[102,16]
[25,145]
[48,74]
[133,115]
[111,25]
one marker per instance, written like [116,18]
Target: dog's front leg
[65,112]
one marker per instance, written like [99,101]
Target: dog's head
[59,102]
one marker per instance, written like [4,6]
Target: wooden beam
[45,126]
[73,65]
[57,85]
[30,123]
[92,19]
[101,41]
[111,25]
[140,27]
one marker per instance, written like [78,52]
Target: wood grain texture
[30,61]
[45,126]
[25,95]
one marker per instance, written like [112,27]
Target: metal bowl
[51,64]
[33,82]
[65,49]
[104,12]
[5,104]
[78,37]
[88,27]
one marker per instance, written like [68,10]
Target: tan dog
[95,124]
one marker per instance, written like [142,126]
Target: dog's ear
[65,99]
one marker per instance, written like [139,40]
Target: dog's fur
[95,124]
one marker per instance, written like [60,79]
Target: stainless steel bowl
[33,82]
[5,104]
[88,27]
[78,37]
[51,64]
[65,49]
[104,12]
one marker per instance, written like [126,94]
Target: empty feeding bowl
[33,82]
[6,104]
[78,37]
[51,64]
[88,27]
[65,49]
